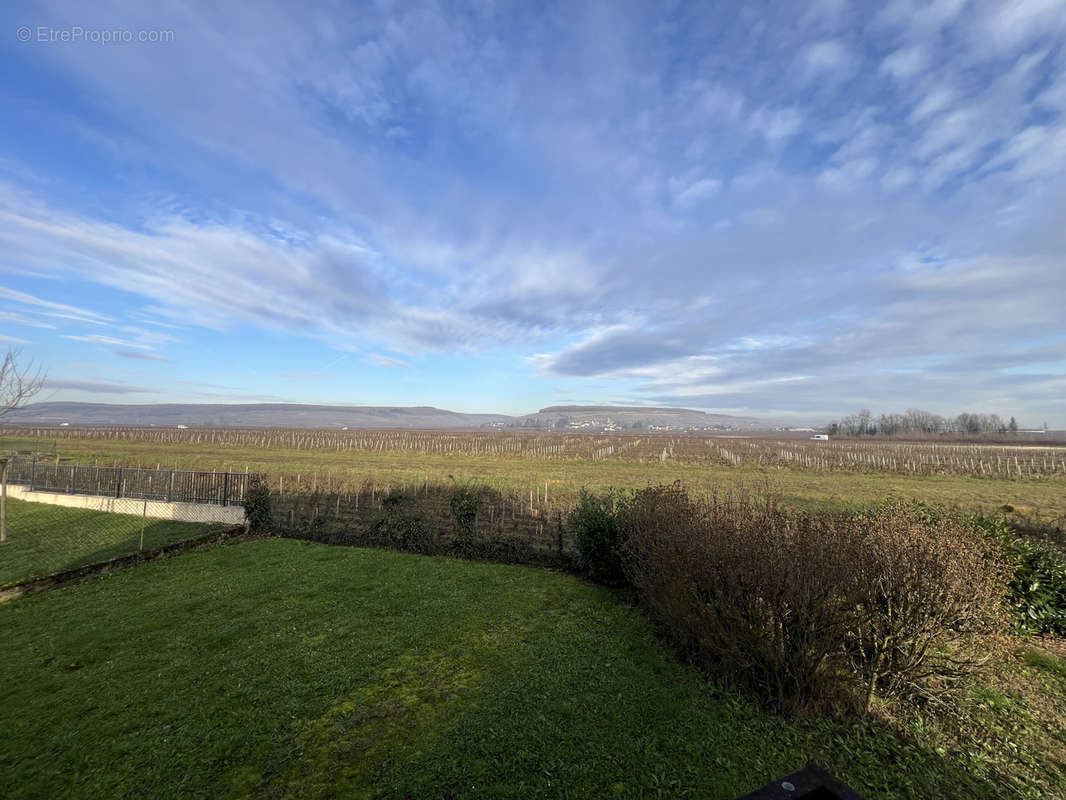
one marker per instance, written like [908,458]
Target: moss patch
[348,749]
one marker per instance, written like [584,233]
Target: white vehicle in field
[820,437]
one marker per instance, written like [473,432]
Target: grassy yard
[287,669]
[42,538]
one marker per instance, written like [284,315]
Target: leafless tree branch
[18,384]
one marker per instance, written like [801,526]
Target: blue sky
[784,209]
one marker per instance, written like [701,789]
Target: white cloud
[379,360]
[213,275]
[19,319]
[921,17]
[829,56]
[1034,152]
[1054,97]
[140,356]
[905,63]
[898,178]
[695,192]
[932,102]
[776,125]
[58,309]
[1009,23]
[97,339]
[848,176]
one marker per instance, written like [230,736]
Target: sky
[785,210]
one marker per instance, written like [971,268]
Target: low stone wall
[156,509]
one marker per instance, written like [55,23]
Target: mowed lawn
[281,669]
[43,539]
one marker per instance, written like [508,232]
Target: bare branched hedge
[816,610]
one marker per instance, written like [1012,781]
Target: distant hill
[259,415]
[597,418]
[298,415]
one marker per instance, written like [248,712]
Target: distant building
[182,427]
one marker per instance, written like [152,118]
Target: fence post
[118,484]
[74,479]
[33,471]
[225,490]
[144,519]
[170,486]
[3,499]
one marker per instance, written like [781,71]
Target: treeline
[918,422]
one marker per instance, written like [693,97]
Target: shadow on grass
[157,534]
[878,760]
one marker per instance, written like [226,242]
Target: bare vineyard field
[557,465]
[926,458]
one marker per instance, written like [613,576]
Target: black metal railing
[169,485]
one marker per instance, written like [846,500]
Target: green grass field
[43,539]
[1040,500]
[281,669]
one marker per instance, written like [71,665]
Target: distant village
[605,426]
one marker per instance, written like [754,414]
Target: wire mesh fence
[170,486]
[471,521]
[42,539]
[44,533]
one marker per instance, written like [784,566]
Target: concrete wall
[157,509]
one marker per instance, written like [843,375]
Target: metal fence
[42,539]
[168,485]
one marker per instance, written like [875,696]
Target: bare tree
[18,384]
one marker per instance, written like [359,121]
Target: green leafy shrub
[400,526]
[595,528]
[257,506]
[465,503]
[1037,590]
[499,549]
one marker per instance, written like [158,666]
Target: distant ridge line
[309,415]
